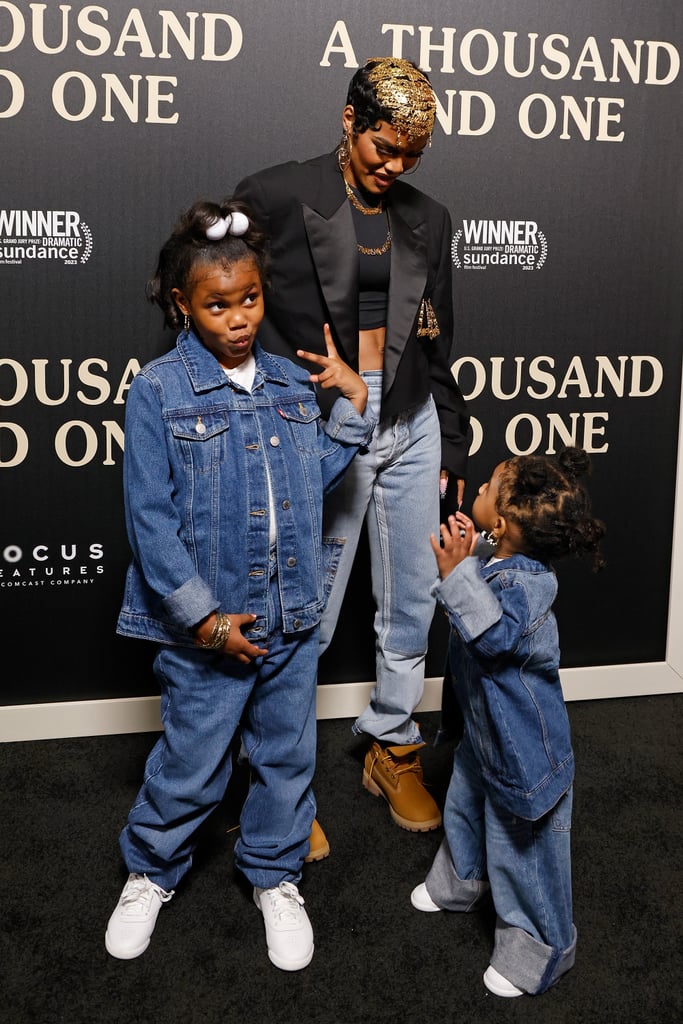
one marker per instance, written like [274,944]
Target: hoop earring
[344,150]
[414,167]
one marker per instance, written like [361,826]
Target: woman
[358,248]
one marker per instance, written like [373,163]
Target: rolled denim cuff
[448,890]
[347,425]
[470,603]
[528,963]
[190,603]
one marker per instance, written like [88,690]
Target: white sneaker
[131,925]
[289,934]
[421,899]
[499,985]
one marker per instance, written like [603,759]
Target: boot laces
[285,901]
[400,767]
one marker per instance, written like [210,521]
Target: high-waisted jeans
[394,488]
[205,697]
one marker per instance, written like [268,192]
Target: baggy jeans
[527,866]
[205,697]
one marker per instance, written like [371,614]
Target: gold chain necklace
[379,250]
[368,211]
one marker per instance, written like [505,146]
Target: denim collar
[518,563]
[206,373]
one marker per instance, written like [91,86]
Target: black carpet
[64,801]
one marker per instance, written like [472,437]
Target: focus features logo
[480,244]
[51,565]
[44,236]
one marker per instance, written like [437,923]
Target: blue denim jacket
[199,453]
[505,657]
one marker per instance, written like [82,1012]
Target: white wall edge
[60,720]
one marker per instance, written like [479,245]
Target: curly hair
[188,250]
[543,496]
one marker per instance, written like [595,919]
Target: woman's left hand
[444,480]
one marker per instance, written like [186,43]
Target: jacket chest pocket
[302,418]
[201,438]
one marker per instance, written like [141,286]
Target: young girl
[508,809]
[226,463]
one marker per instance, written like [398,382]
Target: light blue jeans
[394,488]
[527,866]
[204,698]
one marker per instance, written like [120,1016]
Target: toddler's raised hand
[457,541]
[336,373]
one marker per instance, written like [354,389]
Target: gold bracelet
[219,634]
[224,631]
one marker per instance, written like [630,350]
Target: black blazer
[314,280]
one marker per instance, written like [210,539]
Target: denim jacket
[505,655]
[200,453]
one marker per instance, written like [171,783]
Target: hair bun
[532,476]
[574,462]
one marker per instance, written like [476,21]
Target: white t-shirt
[244,376]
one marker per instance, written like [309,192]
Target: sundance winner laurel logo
[29,236]
[480,244]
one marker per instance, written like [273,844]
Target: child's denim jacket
[505,655]
[203,459]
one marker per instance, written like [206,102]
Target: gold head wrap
[403,90]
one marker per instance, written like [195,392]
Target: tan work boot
[319,848]
[396,774]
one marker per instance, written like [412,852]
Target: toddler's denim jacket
[504,652]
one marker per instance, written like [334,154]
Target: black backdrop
[558,152]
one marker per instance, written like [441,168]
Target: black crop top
[373,271]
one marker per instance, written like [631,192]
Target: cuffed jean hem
[448,890]
[528,963]
[409,737]
[287,862]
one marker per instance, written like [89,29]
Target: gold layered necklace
[377,250]
[368,211]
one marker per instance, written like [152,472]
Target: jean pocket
[303,417]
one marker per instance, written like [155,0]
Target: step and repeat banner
[558,151]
